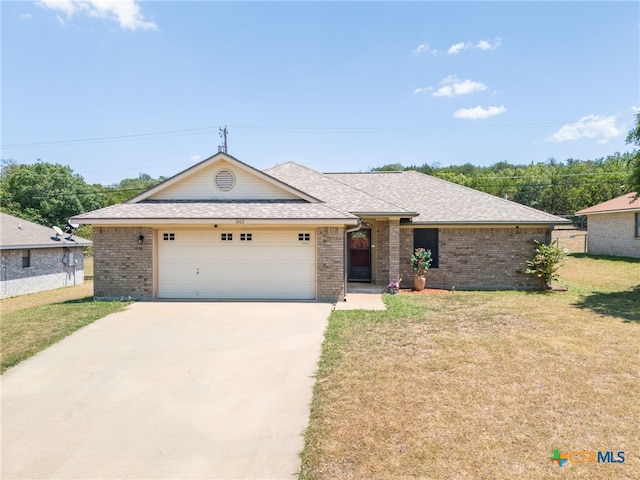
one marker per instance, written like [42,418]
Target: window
[427,238]
[246,237]
[638,224]
[304,237]
[226,237]
[26,258]
[168,236]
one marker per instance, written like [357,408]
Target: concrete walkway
[167,391]
[362,301]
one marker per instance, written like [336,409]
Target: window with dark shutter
[427,238]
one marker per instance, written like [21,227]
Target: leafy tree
[46,193]
[634,138]
[130,187]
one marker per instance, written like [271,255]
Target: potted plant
[420,261]
[394,286]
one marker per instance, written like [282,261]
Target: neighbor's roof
[18,233]
[167,212]
[623,203]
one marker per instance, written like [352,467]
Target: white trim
[628,210]
[149,222]
[212,160]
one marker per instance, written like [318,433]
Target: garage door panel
[271,265]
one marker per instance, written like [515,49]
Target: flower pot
[419,283]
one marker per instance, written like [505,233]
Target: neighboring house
[613,227]
[35,258]
[224,230]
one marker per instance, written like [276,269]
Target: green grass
[482,384]
[27,331]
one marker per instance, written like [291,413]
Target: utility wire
[281,129]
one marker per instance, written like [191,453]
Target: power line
[282,129]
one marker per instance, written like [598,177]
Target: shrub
[545,262]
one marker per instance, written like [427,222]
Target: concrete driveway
[167,391]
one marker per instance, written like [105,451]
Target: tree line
[560,188]
[49,194]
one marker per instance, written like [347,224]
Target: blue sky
[115,88]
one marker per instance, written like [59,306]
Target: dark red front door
[360,255]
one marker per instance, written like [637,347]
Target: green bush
[545,262]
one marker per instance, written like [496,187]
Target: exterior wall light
[140,239]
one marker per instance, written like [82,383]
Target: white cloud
[421,90]
[598,127]
[480,45]
[423,47]
[195,158]
[458,47]
[479,112]
[125,12]
[487,45]
[26,17]
[452,86]
[635,109]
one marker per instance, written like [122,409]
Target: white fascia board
[208,162]
[220,221]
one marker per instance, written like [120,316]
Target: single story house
[225,230]
[613,227]
[36,258]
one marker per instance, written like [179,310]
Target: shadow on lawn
[605,257]
[625,304]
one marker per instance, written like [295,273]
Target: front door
[360,255]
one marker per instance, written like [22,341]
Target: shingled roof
[623,203]
[17,233]
[428,199]
[204,212]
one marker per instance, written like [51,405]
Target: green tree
[46,193]
[634,138]
[130,187]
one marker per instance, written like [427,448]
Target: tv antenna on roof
[223,135]
[58,231]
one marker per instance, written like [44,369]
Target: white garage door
[236,264]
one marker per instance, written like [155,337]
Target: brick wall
[477,258]
[381,252]
[47,271]
[121,267]
[613,234]
[387,251]
[330,260]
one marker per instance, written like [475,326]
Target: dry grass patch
[27,331]
[479,385]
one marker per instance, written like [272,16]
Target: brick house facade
[296,233]
[614,227]
[34,259]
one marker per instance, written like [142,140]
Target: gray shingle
[18,233]
[215,210]
[440,201]
[339,195]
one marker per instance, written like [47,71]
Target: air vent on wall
[225,180]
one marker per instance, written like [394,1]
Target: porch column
[394,249]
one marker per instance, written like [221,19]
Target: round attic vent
[225,180]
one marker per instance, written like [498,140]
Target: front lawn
[483,385]
[26,331]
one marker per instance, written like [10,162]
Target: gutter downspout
[346,252]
